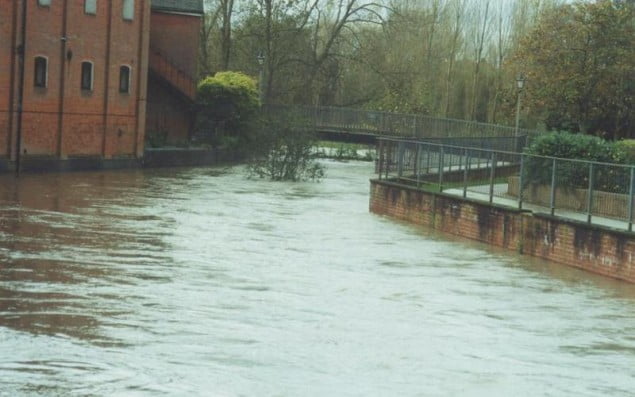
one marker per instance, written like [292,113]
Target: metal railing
[587,191]
[393,124]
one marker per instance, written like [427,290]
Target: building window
[128,10]
[124,79]
[44,3]
[87,76]
[90,7]
[40,72]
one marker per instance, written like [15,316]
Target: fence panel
[396,124]
[610,191]
[580,190]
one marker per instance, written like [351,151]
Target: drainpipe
[22,56]
[65,57]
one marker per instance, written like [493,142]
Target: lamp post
[261,84]
[520,84]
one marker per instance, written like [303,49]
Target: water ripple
[185,282]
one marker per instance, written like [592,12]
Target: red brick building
[174,44]
[74,75]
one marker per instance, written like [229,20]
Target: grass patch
[344,151]
[429,186]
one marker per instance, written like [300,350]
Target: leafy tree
[443,58]
[580,62]
[283,42]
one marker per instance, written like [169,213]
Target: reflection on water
[189,282]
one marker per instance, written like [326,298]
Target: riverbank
[174,157]
[153,158]
[595,248]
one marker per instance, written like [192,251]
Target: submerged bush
[282,151]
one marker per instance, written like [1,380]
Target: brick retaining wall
[589,247]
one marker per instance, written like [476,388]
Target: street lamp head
[260,58]
[520,81]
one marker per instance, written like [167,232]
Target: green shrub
[229,108]
[575,174]
[626,149]
[573,146]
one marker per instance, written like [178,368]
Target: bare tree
[501,48]
[207,39]
[482,23]
[328,19]
[455,43]
[226,11]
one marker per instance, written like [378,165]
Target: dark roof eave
[182,6]
[182,11]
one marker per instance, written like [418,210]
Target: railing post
[441,152]
[492,174]
[589,197]
[389,151]
[630,201]
[465,171]
[428,159]
[381,123]
[415,130]
[553,187]
[380,158]
[521,181]
[315,120]
[487,164]
[416,166]
[400,157]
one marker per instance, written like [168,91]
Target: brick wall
[8,10]
[176,36]
[170,114]
[599,250]
[589,247]
[62,120]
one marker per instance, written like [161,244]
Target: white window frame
[90,7]
[46,71]
[92,76]
[129,78]
[127,10]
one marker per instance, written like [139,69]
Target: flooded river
[196,282]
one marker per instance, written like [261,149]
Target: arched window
[41,72]
[124,79]
[87,76]
[128,10]
[90,7]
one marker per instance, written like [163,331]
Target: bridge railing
[336,119]
[602,193]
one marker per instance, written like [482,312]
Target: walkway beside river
[481,193]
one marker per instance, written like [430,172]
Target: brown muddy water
[198,282]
